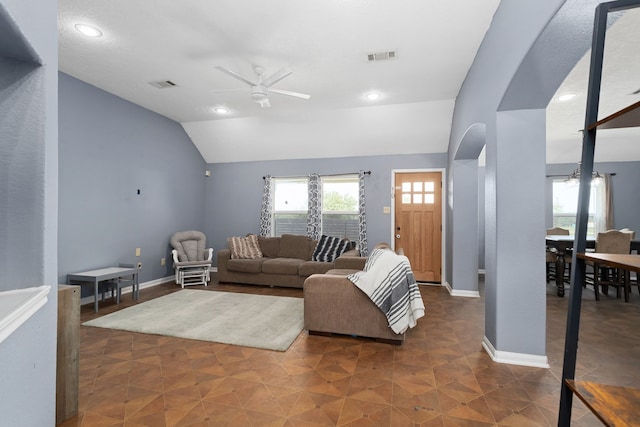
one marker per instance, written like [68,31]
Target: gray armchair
[191,260]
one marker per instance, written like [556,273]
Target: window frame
[275,212]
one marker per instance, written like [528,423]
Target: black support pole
[586,170]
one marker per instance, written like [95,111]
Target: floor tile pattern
[440,376]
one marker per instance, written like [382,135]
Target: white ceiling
[325,43]
[620,78]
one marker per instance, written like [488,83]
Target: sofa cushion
[294,246]
[245,265]
[314,267]
[281,265]
[269,246]
[329,248]
[244,247]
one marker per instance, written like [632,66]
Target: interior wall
[514,29]
[28,204]
[481,217]
[234,190]
[110,149]
[465,228]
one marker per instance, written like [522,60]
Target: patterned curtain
[266,222]
[362,223]
[314,215]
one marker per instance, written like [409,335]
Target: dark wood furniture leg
[560,273]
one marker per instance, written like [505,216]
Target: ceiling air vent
[381,56]
[163,84]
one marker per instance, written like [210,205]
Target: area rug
[260,321]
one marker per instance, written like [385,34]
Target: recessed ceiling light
[88,30]
[372,96]
[221,110]
[566,97]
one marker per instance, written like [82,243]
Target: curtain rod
[567,174]
[331,174]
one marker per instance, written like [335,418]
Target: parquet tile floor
[440,376]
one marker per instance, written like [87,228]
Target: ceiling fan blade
[276,77]
[234,75]
[290,93]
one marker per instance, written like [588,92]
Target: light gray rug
[259,321]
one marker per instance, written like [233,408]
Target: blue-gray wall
[234,190]
[28,204]
[110,149]
[515,30]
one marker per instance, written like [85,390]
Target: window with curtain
[565,206]
[340,210]
[340,206]
[290,205]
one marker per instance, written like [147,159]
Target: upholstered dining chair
[552,255]
[633,279]
[191,260]
[631,232]
[612,242]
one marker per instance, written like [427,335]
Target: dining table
[563,245]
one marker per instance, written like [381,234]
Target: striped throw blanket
[388,280]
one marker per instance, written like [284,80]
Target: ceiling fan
[262,86]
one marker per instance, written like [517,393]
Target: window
[290,206]
[418,193]
[340,214]
[565,206]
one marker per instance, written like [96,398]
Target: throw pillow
[329,248]
[295,246]
[244,247]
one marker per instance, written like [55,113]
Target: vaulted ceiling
[326,44]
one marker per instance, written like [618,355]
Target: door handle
[397,236]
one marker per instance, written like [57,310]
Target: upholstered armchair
[191,260]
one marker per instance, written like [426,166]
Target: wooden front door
[418,222]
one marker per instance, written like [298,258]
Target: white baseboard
[459,293]
[514,358]
[150,283]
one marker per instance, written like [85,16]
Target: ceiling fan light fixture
[258,93]
[88,30]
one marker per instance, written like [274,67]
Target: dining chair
[631,232]
[633,276]
[552,255]
[612,242]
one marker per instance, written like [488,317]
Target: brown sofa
[286,261]
[332,304]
